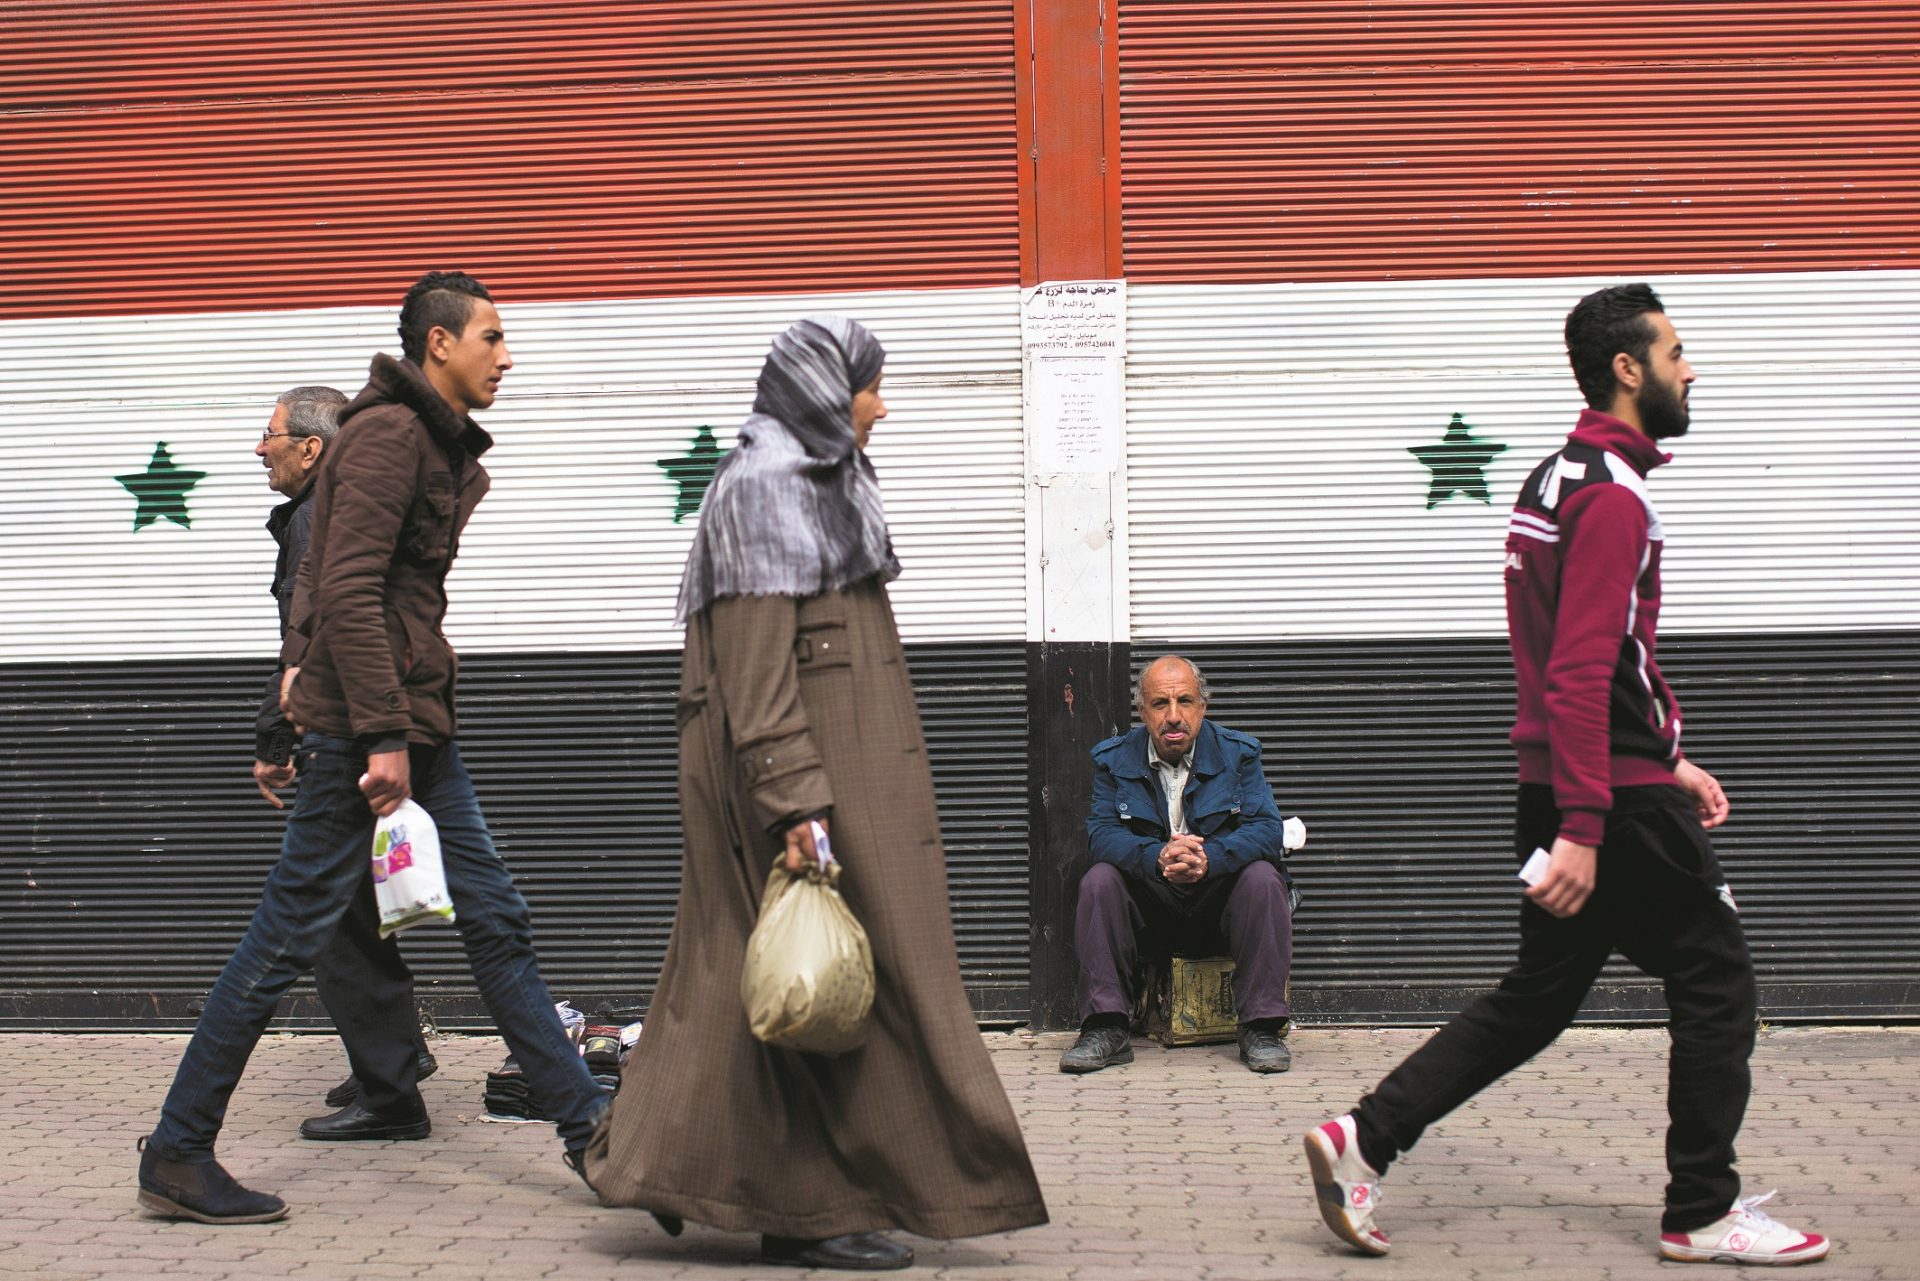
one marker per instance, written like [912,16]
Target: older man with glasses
[360,973]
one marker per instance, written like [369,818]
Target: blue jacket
[1227,803]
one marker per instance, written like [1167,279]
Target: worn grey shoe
[1098,1047]
[1264,1051]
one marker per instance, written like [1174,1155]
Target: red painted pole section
[1074,211]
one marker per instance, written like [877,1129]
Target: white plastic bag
[409,883]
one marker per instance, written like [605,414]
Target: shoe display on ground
[1347,1188]
[860,1252]
[354,1123]
[1747,1236]
[202,1191]
[349,1090]
[1264,1051]
[1098,1047]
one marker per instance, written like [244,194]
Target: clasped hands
[1183,860]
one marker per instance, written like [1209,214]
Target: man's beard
[1663,412]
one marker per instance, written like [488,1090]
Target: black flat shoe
[860,1252]
[354,1123]
[202,1191]
[349,1090]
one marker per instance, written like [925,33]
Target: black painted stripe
[132,844]
[1396,754]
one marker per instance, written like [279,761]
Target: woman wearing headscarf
[795,705]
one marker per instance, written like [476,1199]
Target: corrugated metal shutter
[1349,139]
[211,156]
[1482,166]
[648,190]
[133,849]
[1273,499]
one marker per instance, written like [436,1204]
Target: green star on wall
[1458,464]
[692,472]
[161,490]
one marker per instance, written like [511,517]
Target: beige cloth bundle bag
[808,980]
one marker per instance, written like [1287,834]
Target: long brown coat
[786,707]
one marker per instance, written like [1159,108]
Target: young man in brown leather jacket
[370,679]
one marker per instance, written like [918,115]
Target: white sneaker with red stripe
[1347,1187]
[1744,1235]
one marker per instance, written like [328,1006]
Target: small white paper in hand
[409,881]
[1535,867]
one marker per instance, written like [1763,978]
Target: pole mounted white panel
[1073,341]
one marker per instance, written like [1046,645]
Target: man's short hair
[1602,325]
[313,411]
[1199,679]
[439,298]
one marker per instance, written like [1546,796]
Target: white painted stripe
[576,547]
[1271,494]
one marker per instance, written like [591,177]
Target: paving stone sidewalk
[1182,1165]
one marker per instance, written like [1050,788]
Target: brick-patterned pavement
[1180,1165]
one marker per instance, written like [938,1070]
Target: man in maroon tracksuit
[1618,811]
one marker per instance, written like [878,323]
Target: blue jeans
[323,862]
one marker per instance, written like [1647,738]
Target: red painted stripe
[57,53]
[212,157]
[1352,139]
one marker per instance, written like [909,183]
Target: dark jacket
[1583,606]
[291,524]
[1227,804]
[396,487]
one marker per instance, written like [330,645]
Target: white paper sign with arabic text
[1074,335]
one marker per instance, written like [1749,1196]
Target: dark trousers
[1245,914]
[367,990]
[1657,901]
[323,865]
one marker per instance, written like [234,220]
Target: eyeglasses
[270,434]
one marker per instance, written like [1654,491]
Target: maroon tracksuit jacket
[1583,604]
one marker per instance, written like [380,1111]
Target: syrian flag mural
[1348,254]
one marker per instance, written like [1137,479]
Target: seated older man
[1188,849]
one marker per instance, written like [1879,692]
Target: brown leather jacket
[395,489]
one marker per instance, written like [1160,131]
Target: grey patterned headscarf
[794,508]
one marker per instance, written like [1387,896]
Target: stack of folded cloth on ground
[605,1047]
